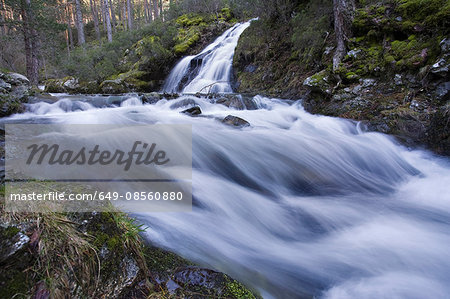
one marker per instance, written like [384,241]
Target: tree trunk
[31,40]
[124,14]
[161,9]
[150,10]
[80,25]
[343,16]
[108,21]
[69,28]
[155,9]
[103,13]
[146,15]
[2,18]
[113,15]
[95,18]
[130,15]
[69,20]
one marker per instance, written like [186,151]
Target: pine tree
[80,24]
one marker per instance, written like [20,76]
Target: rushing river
[296,205]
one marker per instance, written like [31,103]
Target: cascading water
[210,70]
[296,205]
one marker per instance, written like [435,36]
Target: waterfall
[210,70]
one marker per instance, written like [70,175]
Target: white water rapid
[297,205]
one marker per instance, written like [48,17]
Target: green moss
[17,285]
[351,76]
[160,260]
[189,20]
[361,21]
[234,289]
[419,10]
[408,25]
[186,38]
[318,77]
[381,10]
[185,44]
[389,59]
[10,232]
[114,243]
[408,53]
[225,14]
[146,45]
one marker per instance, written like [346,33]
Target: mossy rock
[133,80]
[113,86]
[188,20]
[10,105]
[319,82]
[15,90]
[187,38]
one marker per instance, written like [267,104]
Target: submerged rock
[194,111]
[151,98]
[235,121]
[237,102]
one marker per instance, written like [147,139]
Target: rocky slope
[394,78]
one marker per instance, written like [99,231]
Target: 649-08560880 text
[100,196]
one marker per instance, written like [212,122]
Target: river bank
[56,255]
[394,77]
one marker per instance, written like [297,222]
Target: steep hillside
[394,76]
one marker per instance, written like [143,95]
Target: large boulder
[319,82]
[237,102]
[131,81]
[113,86]
[17,79]
[71,84]
[15,90]
[235,121]
[4,87]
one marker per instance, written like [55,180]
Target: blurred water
[210,70]
[296,205]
